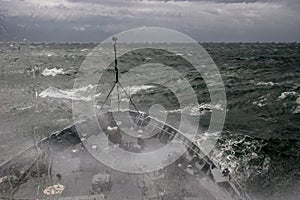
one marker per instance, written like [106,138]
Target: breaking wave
[287,94]
[84,93]
[52,72]
[197,110]
[81,94]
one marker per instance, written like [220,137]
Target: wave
[293,94]
[84,93]
[261,101]
[242,156]
[81,94]
[297,110]
[286,94]
[135,89]
[270,83]
[83,50]
[52,72]
[198,109]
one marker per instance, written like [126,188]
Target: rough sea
[260,141]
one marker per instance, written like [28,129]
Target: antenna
[117,82]
[114,38]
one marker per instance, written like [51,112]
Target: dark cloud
[217,1]
[222,1]
[94,20]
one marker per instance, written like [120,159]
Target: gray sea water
[260,141]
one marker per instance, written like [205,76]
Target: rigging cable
[117,82]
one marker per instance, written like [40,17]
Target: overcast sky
[203,20]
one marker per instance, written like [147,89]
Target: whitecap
[261,102]
[297,110]
[198,109]
[52,72]
[270,83]
[239,165]
[83,50]
[298,101]
[130,90]
[135,89]
[80,94]
[286,94]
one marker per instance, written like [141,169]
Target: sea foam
[52,72]
[81,94]
[84,93]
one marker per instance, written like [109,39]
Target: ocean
[260,140]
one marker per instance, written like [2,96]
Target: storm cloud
[95,20]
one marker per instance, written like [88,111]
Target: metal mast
[117,82]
